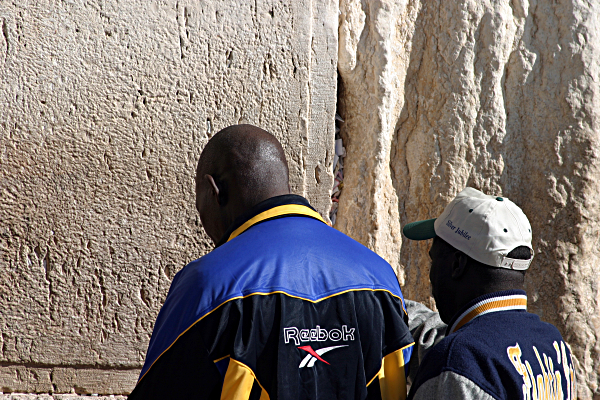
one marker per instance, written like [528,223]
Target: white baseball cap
[486,228]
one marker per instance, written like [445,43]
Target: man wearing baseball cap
[494,348]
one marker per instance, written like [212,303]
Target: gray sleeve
[426,328]
[450,385]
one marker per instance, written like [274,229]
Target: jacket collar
[272,208]
[499,301]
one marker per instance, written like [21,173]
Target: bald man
[284,307]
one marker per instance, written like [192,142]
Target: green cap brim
[420,230]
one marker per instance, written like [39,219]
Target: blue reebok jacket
[284,308]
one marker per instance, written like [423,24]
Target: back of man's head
[241,165]
[248,156]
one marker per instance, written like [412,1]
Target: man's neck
[503,300]
[259,208]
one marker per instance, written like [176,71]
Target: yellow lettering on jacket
[549,384]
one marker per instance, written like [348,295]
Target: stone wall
[499,95]
[106,106]
[32,396]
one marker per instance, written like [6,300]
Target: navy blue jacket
[495,349]
[284,308]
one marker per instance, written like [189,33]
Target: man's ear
[213,184]
[220,193]
[459,265]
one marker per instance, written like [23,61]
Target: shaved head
[240,166]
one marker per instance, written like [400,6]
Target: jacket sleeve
[392,377]
[389,383]
[426,328]
[450,385]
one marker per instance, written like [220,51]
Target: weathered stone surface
[106,106]
[25,396]
[26,379]
[498,95]
[372,63]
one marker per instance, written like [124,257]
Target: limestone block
[85,381]
[503,96]
[25,396]
[106,106]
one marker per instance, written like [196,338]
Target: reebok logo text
[317,334]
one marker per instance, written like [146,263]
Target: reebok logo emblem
[314,355]
[293,335]
[317,334]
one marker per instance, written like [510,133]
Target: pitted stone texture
[23,396]
[499,95]
[25,379]
[106,107]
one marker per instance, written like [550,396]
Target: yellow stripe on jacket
[392,375]
[238,382]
